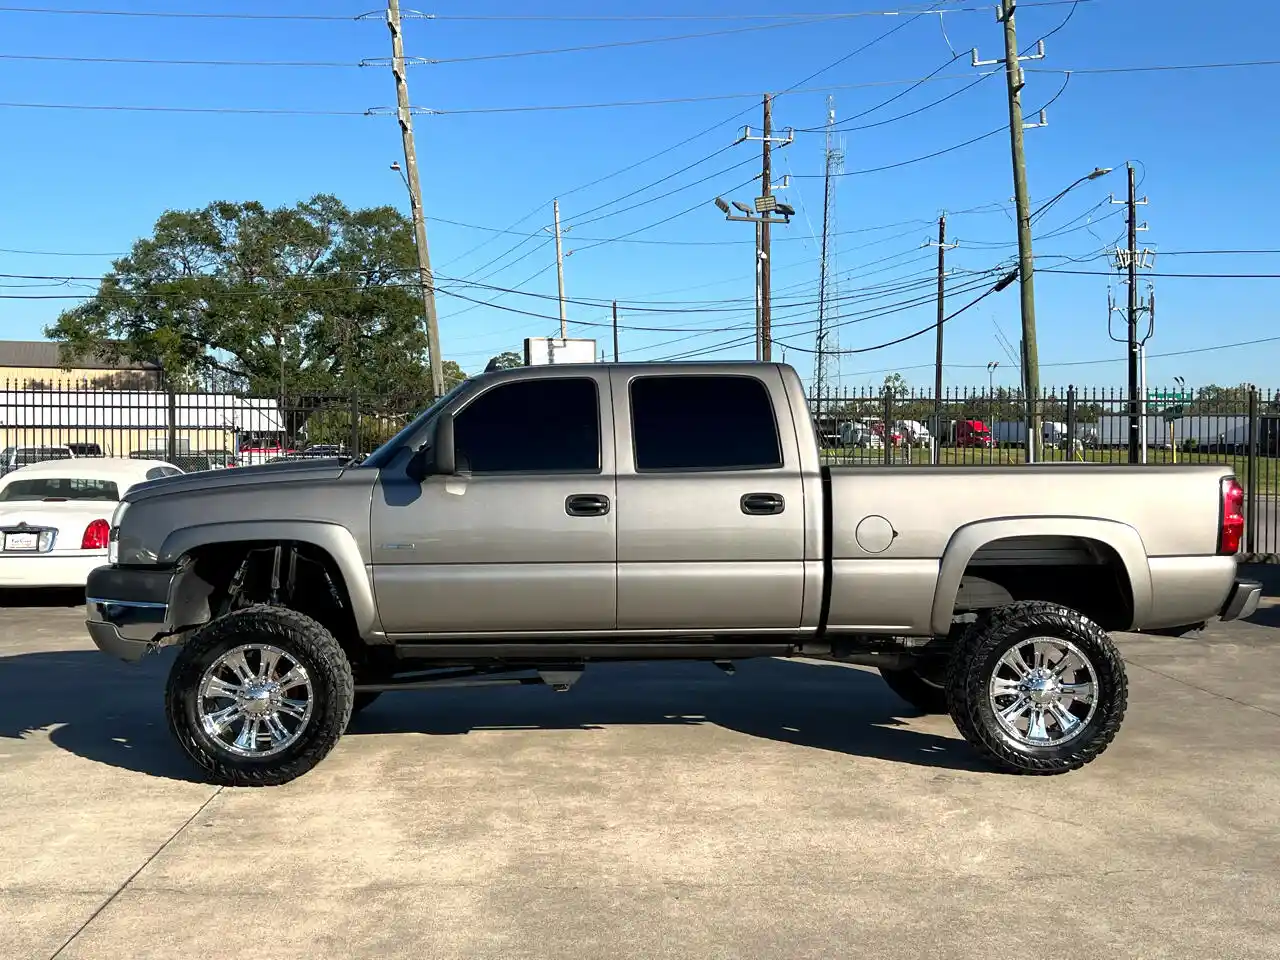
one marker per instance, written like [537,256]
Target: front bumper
[1242,601]
[127,610]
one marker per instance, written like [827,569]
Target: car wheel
[1037,689]
[923,686]
[259,697]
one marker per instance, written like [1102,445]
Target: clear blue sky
[1207,142]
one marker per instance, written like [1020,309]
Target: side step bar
[600,650]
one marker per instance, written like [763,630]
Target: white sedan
[55,517]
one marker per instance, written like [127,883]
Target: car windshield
[379,457]
[60,488]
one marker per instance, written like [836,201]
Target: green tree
[508,360]
[309,298]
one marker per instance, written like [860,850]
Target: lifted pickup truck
[538,519]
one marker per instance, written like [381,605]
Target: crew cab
[533,521]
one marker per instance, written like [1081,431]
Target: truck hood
[283,472]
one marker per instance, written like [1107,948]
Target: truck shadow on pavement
[113,713]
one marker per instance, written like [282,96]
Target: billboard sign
[539,351]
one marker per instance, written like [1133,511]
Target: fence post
[1251,511]
[171,440]
[1071,421]
[888,428]
[355,424]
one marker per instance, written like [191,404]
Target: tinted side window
[703,423]
[531,426]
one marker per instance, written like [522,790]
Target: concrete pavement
[657,810]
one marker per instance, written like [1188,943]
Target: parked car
[914,432]
[536,520]
[11,458]
[54,517]
[858,433]
[87,450]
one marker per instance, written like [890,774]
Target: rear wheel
[924,685]
[1038,688]
[259,696]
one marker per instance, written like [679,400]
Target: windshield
[60,488]
[379,457]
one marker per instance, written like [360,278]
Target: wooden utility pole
[1135,432]
[1026,264]
[425,278]
[564,321]
[615,331]
[766,325]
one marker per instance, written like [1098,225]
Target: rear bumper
[46,570]
[127,611]
[1242,601]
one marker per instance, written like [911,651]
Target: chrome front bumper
[1242,601]
[127,611]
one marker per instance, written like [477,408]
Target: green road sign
[1170,397]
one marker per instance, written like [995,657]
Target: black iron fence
[197,431]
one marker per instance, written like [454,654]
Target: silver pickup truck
[535,520]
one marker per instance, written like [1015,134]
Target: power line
[1185,276]
[48,58]
[184,15]
[936,153]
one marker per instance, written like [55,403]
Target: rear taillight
[96,536]
[1232,530]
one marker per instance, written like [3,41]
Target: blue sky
[1205,141]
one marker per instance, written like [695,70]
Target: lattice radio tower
[826,362]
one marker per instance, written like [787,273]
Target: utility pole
[425,279]
[761,214]
[1130,260]
[615,331]
[943,247]
[766,320]
[1134,365]
[1015,80]
[564,322]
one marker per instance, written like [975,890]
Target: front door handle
[586,505]
[762,504]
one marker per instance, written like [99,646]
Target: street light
[1094,175]
[784,213]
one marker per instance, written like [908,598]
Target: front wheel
[259,696]
[1038,689]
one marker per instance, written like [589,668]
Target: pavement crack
[1193,686]
[133,876]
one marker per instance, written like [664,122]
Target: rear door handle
[586,505]
[762,504]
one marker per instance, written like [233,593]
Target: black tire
[923,686]
[303,641]
[363,700]
[975,661]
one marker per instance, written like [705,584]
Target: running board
[539,650]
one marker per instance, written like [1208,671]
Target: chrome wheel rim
[1043,692]
[255,700]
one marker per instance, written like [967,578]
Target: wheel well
[1078,572]
[219,577]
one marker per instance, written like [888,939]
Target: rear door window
[709,422]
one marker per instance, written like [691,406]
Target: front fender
[969,539]
[334,539]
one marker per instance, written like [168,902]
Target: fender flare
[970,538]
[334,539]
